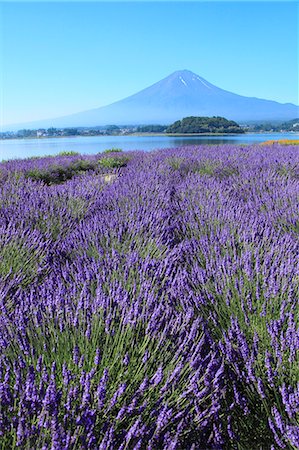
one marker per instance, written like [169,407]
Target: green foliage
[51,131]
[68,153]
[151,129]
[70,132]
[146,356]
[62,214]
[112,130]
[288,170]
[289,226]
[113,150]
[290,125]
[56,174]
[25,133]
[253,316]
[227,171]
[113,162]
[175,162]
[194,124]
[53,226]
[185,166]
[82,165]
[32,158]
[204,167]
[77,207]
[17,258]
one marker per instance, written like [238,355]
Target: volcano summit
[181,94]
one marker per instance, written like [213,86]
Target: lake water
[24,148]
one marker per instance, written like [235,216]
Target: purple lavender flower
[157,377]
[126,360]
[189,260]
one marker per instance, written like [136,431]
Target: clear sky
[59,58]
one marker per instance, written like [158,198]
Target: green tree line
[194,124]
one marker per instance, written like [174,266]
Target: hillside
[204,125]
[181,94]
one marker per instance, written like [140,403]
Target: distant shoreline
[149,134]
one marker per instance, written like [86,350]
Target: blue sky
[63,57]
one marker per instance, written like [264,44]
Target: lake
[24,148]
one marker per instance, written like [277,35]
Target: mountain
[183,93]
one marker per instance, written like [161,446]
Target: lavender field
[150,300]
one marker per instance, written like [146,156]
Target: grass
[113,162]
[208,168]
[60,173]
[113,150]
[57,174]
[21,260]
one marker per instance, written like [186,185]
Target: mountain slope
[183,93]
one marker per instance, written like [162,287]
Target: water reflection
[24,148]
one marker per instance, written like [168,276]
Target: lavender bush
[152,303]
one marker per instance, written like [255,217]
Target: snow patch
[183,81]
[205,84]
